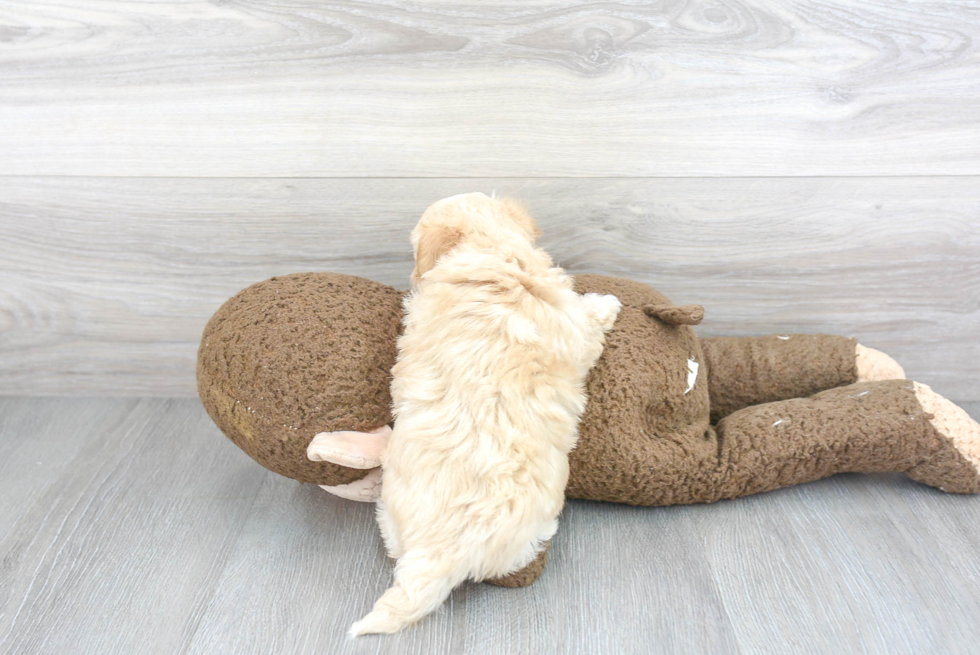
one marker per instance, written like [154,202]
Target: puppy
[487,392]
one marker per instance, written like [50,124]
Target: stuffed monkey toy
[296,370]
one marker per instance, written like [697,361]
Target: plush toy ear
[434,242]
[671,315]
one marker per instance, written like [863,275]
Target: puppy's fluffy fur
[487,390]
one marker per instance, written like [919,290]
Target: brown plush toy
[670,419]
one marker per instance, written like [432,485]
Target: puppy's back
[487,392]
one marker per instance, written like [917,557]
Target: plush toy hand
[358,450]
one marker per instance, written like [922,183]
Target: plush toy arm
[746,371]
[358,450]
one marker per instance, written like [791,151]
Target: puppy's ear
[518,213]
[434,242]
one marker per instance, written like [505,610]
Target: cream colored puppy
[487,391]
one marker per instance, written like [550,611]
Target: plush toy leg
[865,427]
[748,371]
[527,575]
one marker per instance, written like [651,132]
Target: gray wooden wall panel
[107,282]
[574,88]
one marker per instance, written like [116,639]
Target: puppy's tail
[421,585]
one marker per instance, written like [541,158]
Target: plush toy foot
[955,466]
[358,450]
[874,365]
[365,490]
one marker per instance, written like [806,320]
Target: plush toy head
[296,355]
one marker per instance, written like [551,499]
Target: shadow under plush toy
[670,419]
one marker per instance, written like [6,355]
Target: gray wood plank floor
[133,526]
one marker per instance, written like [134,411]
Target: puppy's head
[473,217]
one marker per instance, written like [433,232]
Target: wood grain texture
[144,530]
[108,282]
[121,525]
[399,88]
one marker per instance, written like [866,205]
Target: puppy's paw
[603,308]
